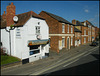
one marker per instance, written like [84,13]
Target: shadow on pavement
[91,68]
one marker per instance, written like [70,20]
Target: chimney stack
[4,15]
[74,21]
[10,14]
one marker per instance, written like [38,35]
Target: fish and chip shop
[25,35]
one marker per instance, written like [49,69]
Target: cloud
[91,19]
[86,10]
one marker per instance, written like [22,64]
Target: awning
[38,42]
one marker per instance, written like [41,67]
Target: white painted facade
[19,44]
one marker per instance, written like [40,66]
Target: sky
[69,10]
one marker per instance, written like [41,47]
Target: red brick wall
[10,14]
[52,23]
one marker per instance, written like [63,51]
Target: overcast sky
[69,10]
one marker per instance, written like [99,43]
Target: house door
[67,43]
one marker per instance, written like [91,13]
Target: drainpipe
[8,30]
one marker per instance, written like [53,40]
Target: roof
[3,22]
[90,23]
[60,19]
[22,18]
[78,23]
[77,30]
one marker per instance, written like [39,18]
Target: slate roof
[60,19]
[78,23]
[89,23]
[77,30]
[22,18]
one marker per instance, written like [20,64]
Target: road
[52,65]
[88,64]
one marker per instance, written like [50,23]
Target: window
[18,34]
[84,40]
[63,28]
[84,32]
[71,29]
[63,42]
[71,41]
[68,29]
[34,49]
[37,29]
[84,23]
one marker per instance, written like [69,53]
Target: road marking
[55,65]
[71,62]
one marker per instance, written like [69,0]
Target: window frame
[63,27]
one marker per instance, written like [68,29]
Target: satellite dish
[15,18]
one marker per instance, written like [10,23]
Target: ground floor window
[79,41]
[71,41]
[34,49]
[84,40]
[75,42]
[63,42]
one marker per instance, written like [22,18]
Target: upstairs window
[84,23]
[68,28]
[37,29]
[63,28]
[71,29]
[84,32]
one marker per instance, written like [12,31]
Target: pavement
[36,66]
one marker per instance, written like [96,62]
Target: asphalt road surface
[86,65]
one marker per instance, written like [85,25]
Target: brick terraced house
[91,30]
[83,29]
[77,37]
[97,31]
[61,32]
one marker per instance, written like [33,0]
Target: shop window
[34,49]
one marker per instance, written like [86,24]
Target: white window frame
[71,41]
[68,28]
[84,23]
[84,40]
[71,29]
[63,28]
[37,30]
[63,42]
[84,32]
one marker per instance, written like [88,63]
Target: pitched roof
[22,18]
[60,19]
[90,23]
[78,23]
[3,22]
[77,30]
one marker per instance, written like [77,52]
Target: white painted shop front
[34,29]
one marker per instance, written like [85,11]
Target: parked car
[94,43]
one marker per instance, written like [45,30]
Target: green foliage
[5,59]
[11,26]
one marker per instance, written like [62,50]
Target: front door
[67,43]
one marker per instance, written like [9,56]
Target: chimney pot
[11,3]
[4,12]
